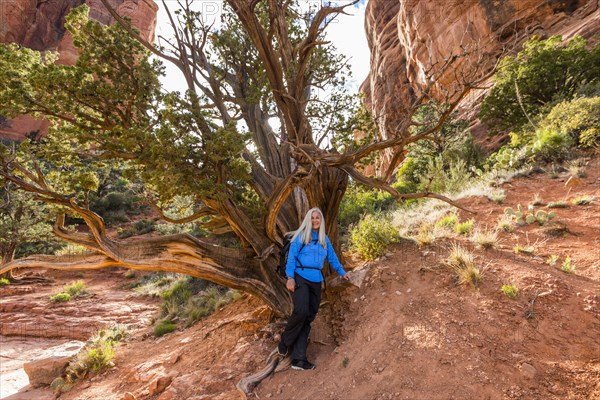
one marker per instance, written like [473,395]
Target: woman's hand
[346,277]
[291,285]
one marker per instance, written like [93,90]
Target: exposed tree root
[275,363]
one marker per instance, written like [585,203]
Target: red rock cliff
[39,25]
[404,35]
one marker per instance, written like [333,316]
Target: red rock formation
[407,36]
[39,25]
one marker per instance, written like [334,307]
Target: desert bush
[163,327]
[568,266]
[485,238]
[543,73]
[60,297]
[582,200]
[505,223]
[510,291]
[75,288]
[497,196]
[464,228]
[557,204]
[551,145]
[93,358]
[372,235]
[463,264]
[578,119]
[447,221]
[70,291]
[358,202]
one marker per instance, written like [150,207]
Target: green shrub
[582,200]
[372,235]
[75,288]
[510,290]
[550,145]
[579,119]
[557,204]
[447,221]
[4,281]
[93,358]
[60,297]
[544,72]
[463,264]
[568,266]
[464,228]
[358,202]
[165,326]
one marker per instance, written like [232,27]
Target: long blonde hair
[305,229]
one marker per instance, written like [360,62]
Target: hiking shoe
[302,365]
[282,349]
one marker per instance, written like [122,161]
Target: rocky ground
[409,331]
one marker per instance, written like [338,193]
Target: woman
[308,250]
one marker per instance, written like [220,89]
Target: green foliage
[163,327]
[140,227]
[185,298]
[510,290]
[505,223]
[345,362]
[447,221]
[582,200]
[557,204]
[464,228]
[567,265]
[4,282]
[372,235]
[93,358]
[71,291]
[24,226]
[442,162]
[60,297]
[544,72]
[551,145]
[578,119]
[497,196]
[358,202]
[75,288]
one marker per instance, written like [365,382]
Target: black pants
[307,298]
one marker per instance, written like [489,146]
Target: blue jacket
[312,255]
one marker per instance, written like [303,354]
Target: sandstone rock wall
[407,36]
[39,25]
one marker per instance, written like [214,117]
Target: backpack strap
[303,267]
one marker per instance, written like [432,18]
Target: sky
[346,32]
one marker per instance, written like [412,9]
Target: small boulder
[528,370]
[128,396]
[159,385]
[43,372]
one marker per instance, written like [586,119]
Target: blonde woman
[309,247]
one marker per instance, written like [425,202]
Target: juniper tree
[216,143]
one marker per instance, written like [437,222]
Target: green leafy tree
[22,220]
[543,73]
[215,143]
